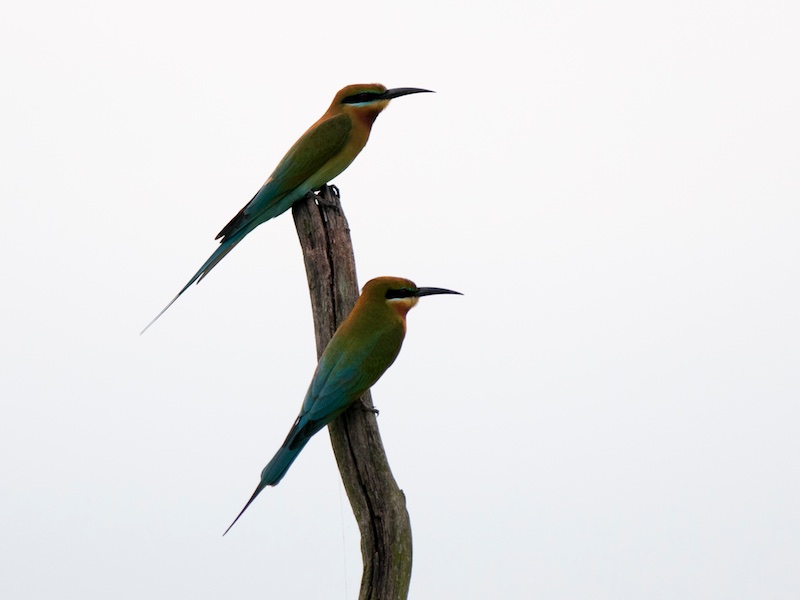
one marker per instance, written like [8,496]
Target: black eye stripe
[401,293]
[361,97]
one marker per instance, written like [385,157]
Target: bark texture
[378,503]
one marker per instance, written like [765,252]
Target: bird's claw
[324,200]
[368,408]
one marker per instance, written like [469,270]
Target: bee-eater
[321,153]
[360,351]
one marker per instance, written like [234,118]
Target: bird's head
[401,295]
[367,100]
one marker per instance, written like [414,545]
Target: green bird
[363,347]
[321,153]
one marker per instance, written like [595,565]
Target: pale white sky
[611,410]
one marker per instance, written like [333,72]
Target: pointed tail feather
[260,487]
[272,473]
[212,261]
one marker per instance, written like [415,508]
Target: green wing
[309,154]
[350,370]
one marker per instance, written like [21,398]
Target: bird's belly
[329,171]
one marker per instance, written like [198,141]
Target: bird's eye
[401,293]
[359,98]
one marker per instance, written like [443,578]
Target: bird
[325,150]
[363,347]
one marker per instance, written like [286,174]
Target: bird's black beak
[397,92]
[432,291]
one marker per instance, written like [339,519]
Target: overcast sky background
[610,411]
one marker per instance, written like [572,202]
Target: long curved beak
[397,92]
[432,291]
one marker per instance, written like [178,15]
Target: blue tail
[273,472]
[220,253]
[271,204]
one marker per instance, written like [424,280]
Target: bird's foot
[368,408]
[328,195]
[335,191]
